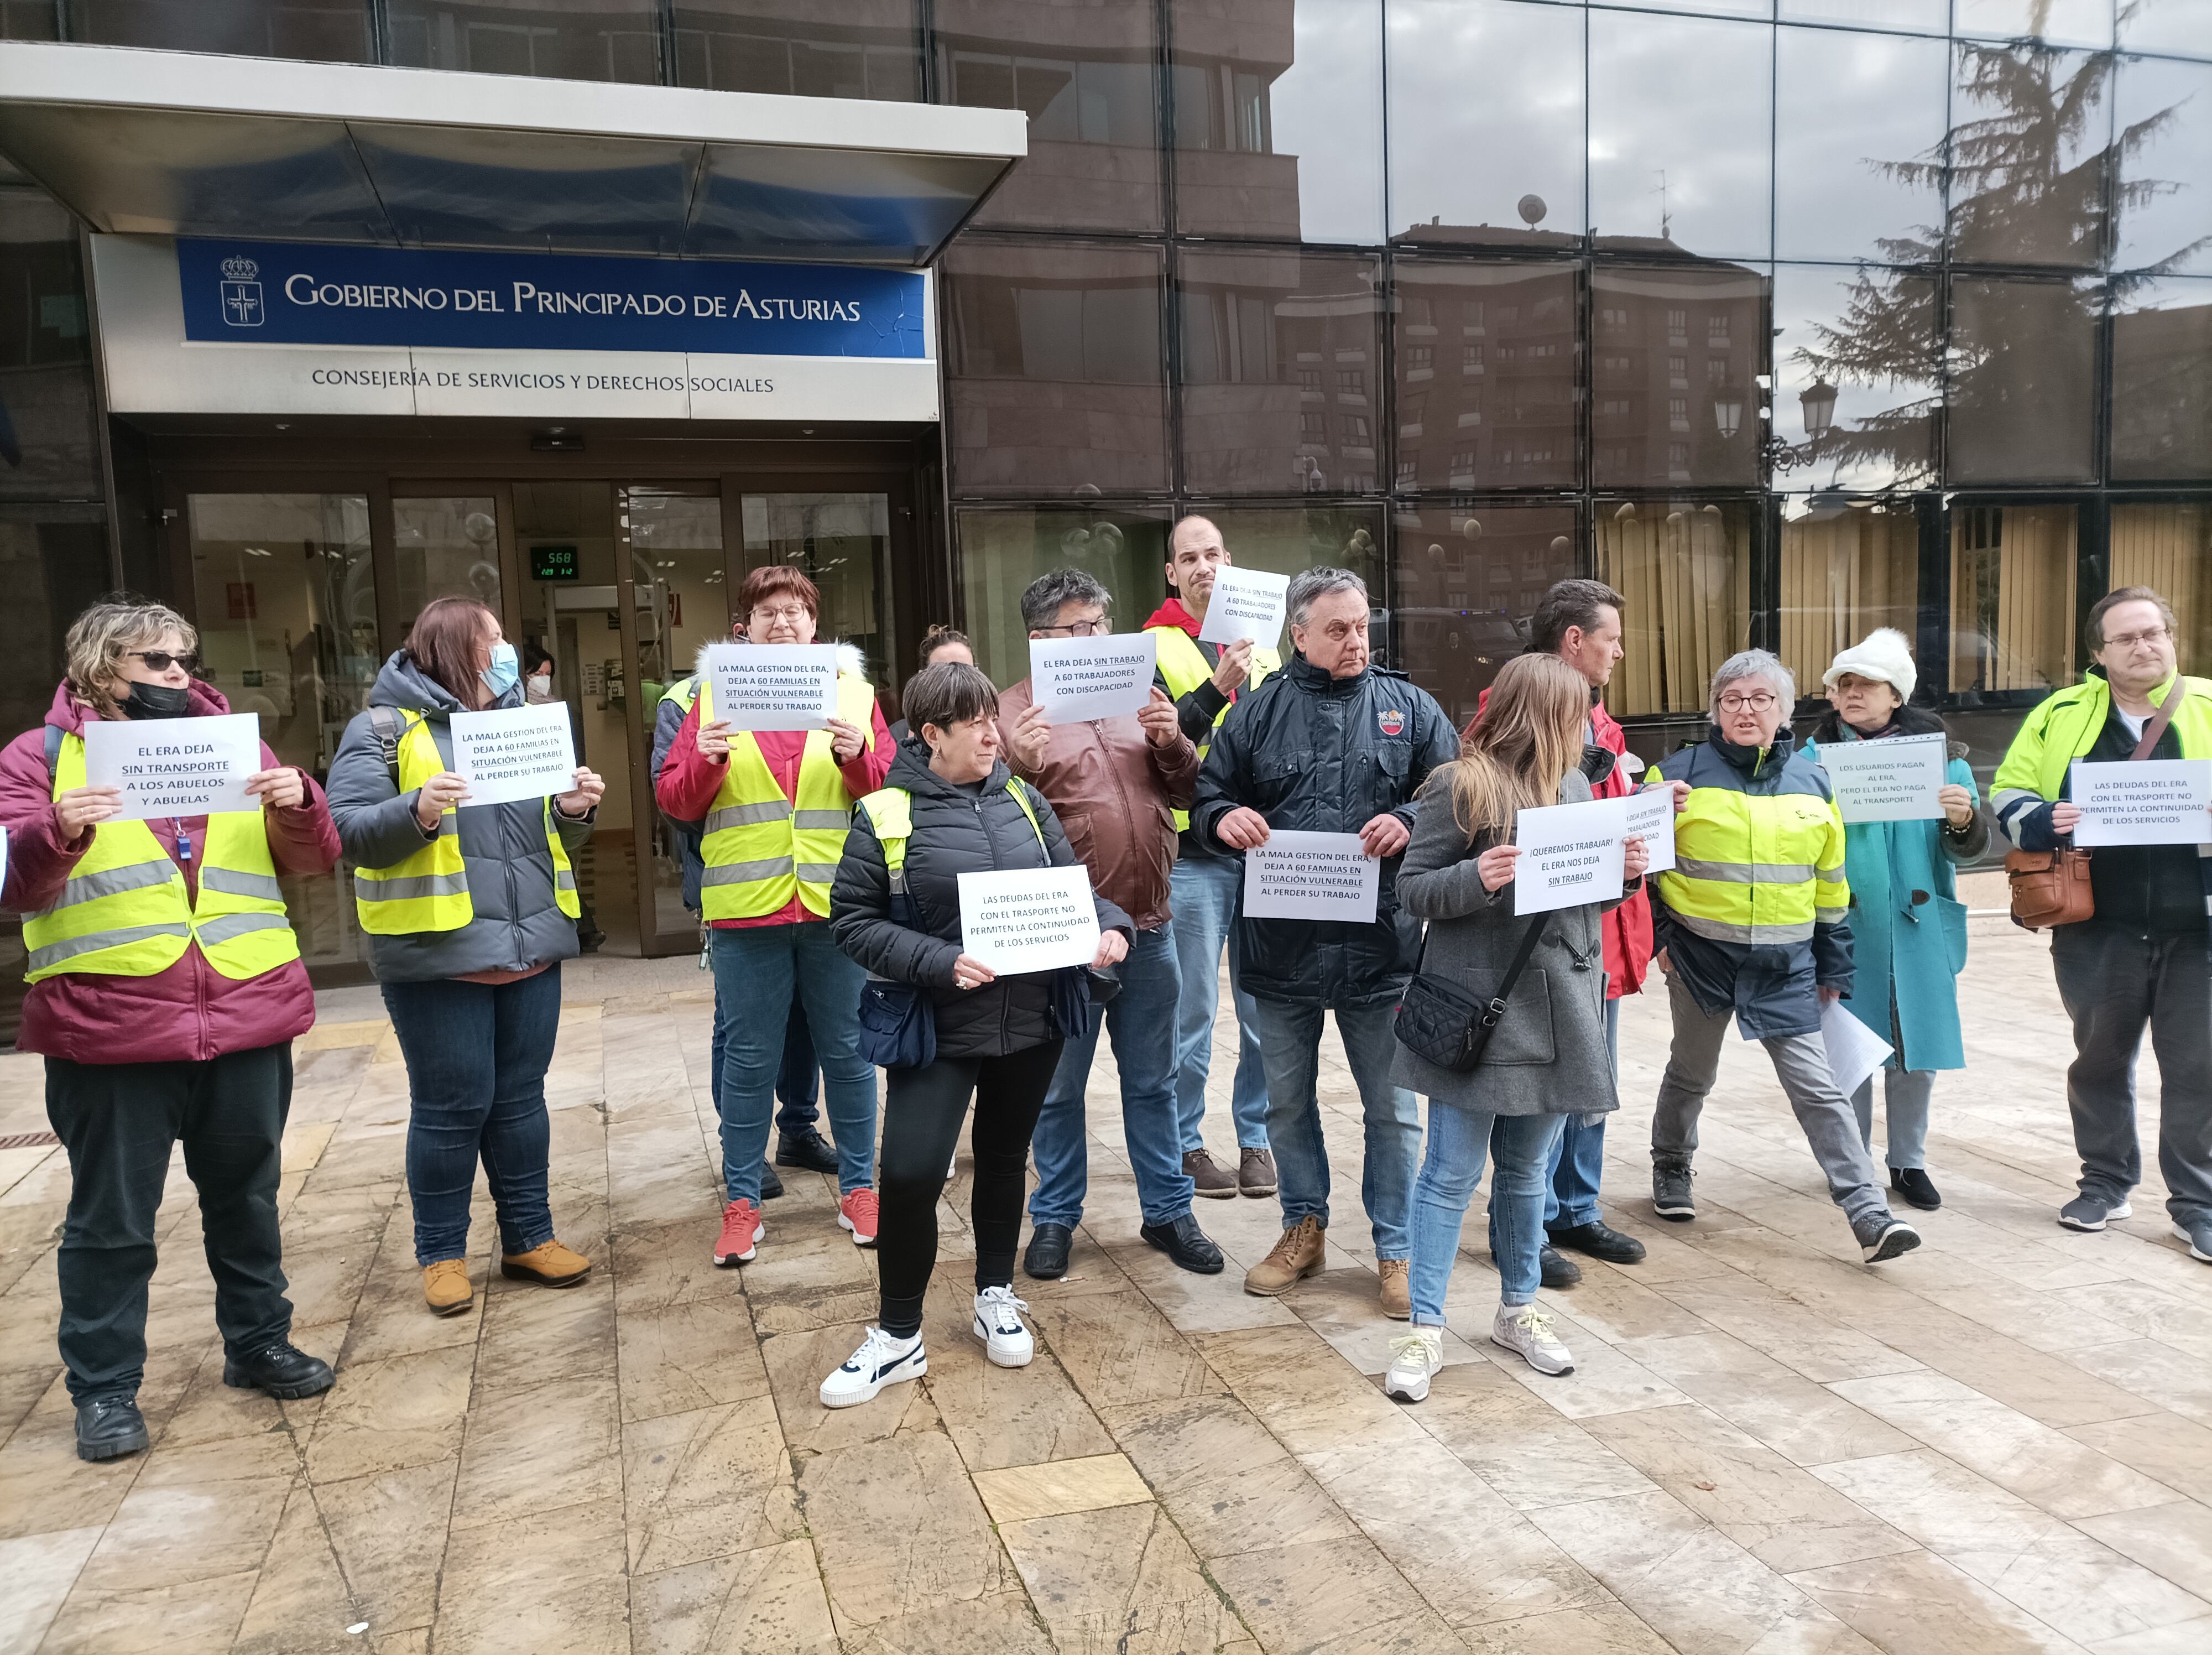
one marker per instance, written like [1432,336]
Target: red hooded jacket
[190,1013]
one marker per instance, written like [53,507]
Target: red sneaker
[857,1213]
[741,1229]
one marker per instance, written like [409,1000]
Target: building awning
[187,143]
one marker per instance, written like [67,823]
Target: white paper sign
[1651,813]
[175,766]
[1076,679]
[1893,780]
[1246,603]
[1570,855]
[1038,921]
[1311,876]
[1855,1051]
[514,753]
[2159,801]
[774,686]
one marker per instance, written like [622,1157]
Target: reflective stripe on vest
[761,849]
[123,911]
[1759,869]
[1182,664]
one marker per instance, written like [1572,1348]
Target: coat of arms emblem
[242,293]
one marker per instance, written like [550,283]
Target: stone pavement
[2000,1443]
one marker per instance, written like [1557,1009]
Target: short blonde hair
[99,639]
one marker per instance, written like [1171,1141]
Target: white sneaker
[999,1325]
[1413,1357]
[881,1360]
[1528,1330]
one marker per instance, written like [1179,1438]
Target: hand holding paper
[514,753]
[2158,801]
[774,686]
[1570,855]
[1078,678]
[1311,876]
[175,766]
[1245,603]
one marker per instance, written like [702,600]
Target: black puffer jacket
[1320,755]
[957,830]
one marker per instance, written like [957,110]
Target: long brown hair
[447,642]
[1517,753]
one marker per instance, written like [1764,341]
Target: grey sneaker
[2197,1233]
[1256,1172]
[1670,1189]
[2090,1213]
[1883,1237]
[1529,1330]
[1208,1177]
[1414,1357]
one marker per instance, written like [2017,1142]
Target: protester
[775,806]
[2141,960]
[940,642]
[1205,681]
[1113,782]
[1908,928]
[1330,744]
[952,808]
[1548,1059]
[166,991]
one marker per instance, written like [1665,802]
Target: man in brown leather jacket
[1114,783]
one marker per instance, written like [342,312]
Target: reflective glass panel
[1675,355]
[47,441]
[1282,357]
[2162,382]
[2061,22]
[855,49]
[2168,548]
[29,20]
[843,542]
[446,547]
[2012,597]
[1847,567]
[1684,571]
[2177,26]
[567,39]
[326,31]
[2023,381]
[1467,578]
[1759,8]
[1083,71]
[1287,539]
[2030,136]
[1858,145]
[1920,16]
[1485,357]
[1855,385]
[2164,190]
[1053,367]
[1000,553]
[1278,118]
[1487,123]
[1691,170]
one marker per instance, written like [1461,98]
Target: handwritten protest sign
[1038,921]
[1246,603]
[774,686]
[2159,801]
[1570,855]
[1076,679]
[1895,780]
[514,753]
[1311,876]
[175,766]
[1652,814]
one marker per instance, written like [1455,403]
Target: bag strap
[54,734]
[1529,939]
[2155,732]
[384,724]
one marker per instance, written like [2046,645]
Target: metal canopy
[187,143]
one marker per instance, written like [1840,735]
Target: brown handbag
[2051,887]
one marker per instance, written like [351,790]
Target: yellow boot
[446,1286]
[550,1265]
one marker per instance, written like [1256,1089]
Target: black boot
[1600,1240]
[281,1369]
[108,1427]
[1182,1240]
[1912,1183]
[805,1148]
[1559,1271]
[771,1185]
[1046,1257]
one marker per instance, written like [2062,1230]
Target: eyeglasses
[793,613]
[2130,640]
[1079,629]
[161,660]
[1759,703]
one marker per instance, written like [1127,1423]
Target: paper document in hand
[1570,855]
[1037,920]
[175,766]
[1855,1051]
[1246,603]
[773,686]
[1076,679]
[2159,801]
[1893,780]
[1311,876]
[514,753]
[1651,813]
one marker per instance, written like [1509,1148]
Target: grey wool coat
[1547,1055]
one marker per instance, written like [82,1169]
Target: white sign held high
[1651,813]
[1311,876]
[2159,801]
[1076,679]
[175,766]
[1246,603]
[1570,855]
[1037,920]
[774,686]
[514,753]
[1893,780]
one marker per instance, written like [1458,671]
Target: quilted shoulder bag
[1443,1024]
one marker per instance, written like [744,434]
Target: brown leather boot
[1397,1288]
[446,1286]
[550,1265]
[1208,1177]
[1297,1254]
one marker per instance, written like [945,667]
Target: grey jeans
[1904,1095]
[1801,1062]
[2113,982]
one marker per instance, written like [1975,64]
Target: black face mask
[156,701]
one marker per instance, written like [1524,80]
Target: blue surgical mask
[505,669]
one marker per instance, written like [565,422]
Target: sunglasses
[161,660]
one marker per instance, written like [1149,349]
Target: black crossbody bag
[1440,1024]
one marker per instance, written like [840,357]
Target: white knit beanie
[1883,653]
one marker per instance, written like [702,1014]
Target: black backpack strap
[54,734]
[384,723]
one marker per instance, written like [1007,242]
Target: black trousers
[119,1122]
[922,1111]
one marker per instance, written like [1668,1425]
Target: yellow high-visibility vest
[1182,664]
[1757,868]
[123,912]
[429,890]
[760,847]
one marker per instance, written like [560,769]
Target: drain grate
[28,1141]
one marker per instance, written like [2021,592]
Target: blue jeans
[1577,1158]
[476,1055]
[1457,1139]
[1202,893]
[758,970]
[795,1081]
[1290,1043]
[1141,1021]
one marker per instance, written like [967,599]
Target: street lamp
[1819,401]
[1728,414]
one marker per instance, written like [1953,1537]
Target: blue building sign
[284,292]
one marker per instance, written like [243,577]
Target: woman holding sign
[469,912]
[952,808]
[166,992]
[1908,928]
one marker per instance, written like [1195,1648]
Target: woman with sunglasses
[166,991]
